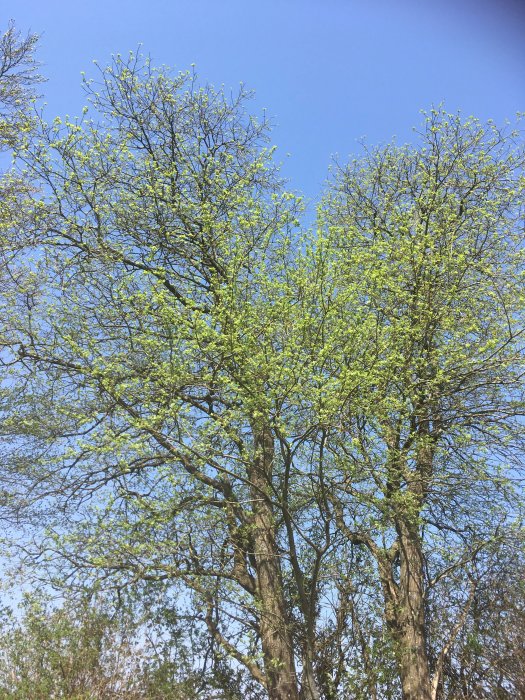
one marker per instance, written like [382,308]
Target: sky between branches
[328,71]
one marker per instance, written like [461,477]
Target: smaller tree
[488,659]
[18,76]
[90,649]
[74,652]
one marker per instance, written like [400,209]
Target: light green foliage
[18,75]
[156,326]
[86,649]
[425,417]
[427,249]
[310,436]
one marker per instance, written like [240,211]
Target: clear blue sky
[328,71]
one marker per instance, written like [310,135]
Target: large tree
[161,287]
[313,439]
[427,245]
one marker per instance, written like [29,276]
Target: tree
[309,438]
[488,660]
[72,652]
[18,76]
[427,251]
[90,648]
[152,285]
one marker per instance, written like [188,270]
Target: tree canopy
[312,437]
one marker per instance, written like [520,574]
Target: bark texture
[410,627]
[276,637]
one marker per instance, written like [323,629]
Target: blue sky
[327,71]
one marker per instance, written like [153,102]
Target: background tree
[488,659]
[18,76]
[91,648]
[69,652]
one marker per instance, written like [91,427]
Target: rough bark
[276,637]
[309,690]
[410,623]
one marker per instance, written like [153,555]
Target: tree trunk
[309,689]
[276,638]
[410,618]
